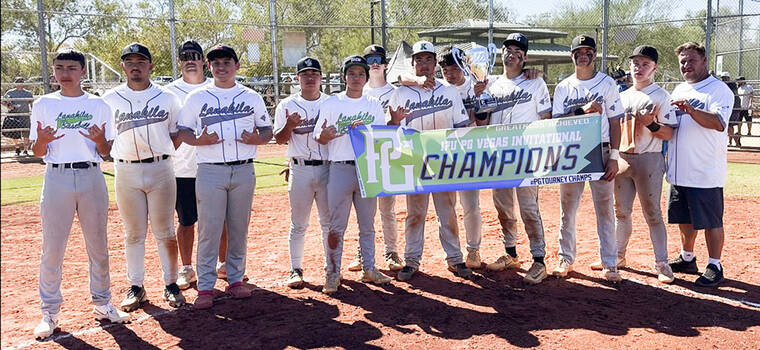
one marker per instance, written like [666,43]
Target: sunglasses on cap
[374,60]
[190,56]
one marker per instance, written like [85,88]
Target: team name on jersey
[571,104]
[423,108]
[211,115]
[131,120]
[344,121]
[76,120]
[513,99]
[306,126]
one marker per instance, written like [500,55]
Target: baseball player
[18,119]
[294,121]
[589,91]
[520,100]
[145,122]
[745,96]
[73,130]
[439,107]
[379,88]
[697,162]
[191,63]
[339,113]
[225,121]
[648,115]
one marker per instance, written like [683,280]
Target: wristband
[653,127]
[614,154]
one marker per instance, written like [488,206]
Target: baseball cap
[190,45]
[375,50]
[517,39]
[355,60]
[646,51]
[138,49]
[583,41]
[220,51]
[308,63]
[740,78]
[19,80]
[725,75]
[422,46]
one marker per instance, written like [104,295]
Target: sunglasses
[375,60]
[190,56]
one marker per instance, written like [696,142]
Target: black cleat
[711,277]
[681,265]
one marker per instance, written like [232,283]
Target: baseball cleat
[356,264]
[563,268]
[597,265]
[295,280]
[504,262]
[238,290]
[47,326]
[393,261]
[406,273]
[173,295]
[332,282]
[611,274]
[185,276]
[109,312]
[374,276]
[461,270]
[680,265]
[536,273]
[664,272]
[135,296]
[473,259]
[711,277]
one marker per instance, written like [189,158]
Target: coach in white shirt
[697,162]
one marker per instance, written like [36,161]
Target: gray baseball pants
[643,177]
[224,194]
[470,201]
[387,207]
[527,199]
[602,192]
[64,193]
[306,184]
[147,191]
[448,231]
[342,190]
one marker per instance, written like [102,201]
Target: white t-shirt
[519,100]
[144,121]
[697,155]
[439,108]
[184,157]
[340,110]
[226,112]
[745,92]
[571,94]
[68,116]
[302,143]
[382,93]
[640,140]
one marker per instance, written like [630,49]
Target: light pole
[372,18]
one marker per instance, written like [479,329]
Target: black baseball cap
[646,51]
[355,60]
[375,50]
[137,49]
[190,45]
[308,63]
[221,51]
[583,41]
[517,39]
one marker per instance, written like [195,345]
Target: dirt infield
[433,311]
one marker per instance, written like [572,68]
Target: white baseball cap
[423,46]
[725,75]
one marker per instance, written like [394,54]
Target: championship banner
[392,160]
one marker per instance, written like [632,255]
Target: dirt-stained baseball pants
[643,177]
[527,199]
[65,192]
[224,193]
[306,184]
[448,231]
[147,191]
[342,190]
[470,201]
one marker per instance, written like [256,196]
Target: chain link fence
[330,31]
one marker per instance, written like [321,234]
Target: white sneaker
[612,274]
[332,282]
[473,259]
[664,272]
[185,276]
[356,264]
[47,325]
[563,268]
[109,312]
[374,276]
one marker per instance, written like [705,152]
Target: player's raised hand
[328,133]
[250,138]
[684,106]
[96,133]
[47,134]
[428,83]
[480,87]
[397,115]
[292,119]
[206,139]
[644,117]
[592,107]
[356,123]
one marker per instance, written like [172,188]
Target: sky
[524,8]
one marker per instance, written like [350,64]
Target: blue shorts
[187,208]
[700,207]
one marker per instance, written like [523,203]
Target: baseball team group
[189,148]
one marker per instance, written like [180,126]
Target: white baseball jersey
[697,155]
[340,111]
[302,144]
[68,116]
[382,93]
[571,94]
[143,120]
[439,108]
[519,100]
[184,157]
[226,112]
[640,140]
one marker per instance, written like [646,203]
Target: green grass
[27,189]
[742,180]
